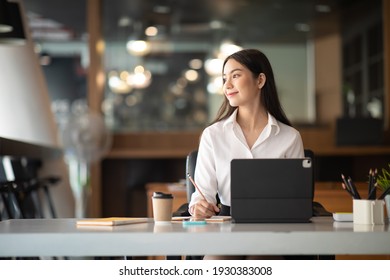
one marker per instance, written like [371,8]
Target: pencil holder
[368,228]
[368,212]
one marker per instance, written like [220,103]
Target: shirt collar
[272,122]
[231,120]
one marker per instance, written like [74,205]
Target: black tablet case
[271,190]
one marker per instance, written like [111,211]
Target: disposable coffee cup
[162,227]
[162,207]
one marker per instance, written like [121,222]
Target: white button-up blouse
[224,141]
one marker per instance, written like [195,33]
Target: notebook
[112,221]
[271,190]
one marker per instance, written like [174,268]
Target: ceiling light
[191,75]
[124,75]
[215,85]
[196,63]
[213,66]
[138,47]
[228,47]
[151,31]
[140,78]
[117,84]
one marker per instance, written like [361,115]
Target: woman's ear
[261,80]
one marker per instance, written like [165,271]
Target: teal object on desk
[194,223]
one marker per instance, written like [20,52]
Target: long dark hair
[257,63]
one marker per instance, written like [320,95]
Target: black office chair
[21,195]
[26,173]
[318,208]
[190,169]
[190,188]
[10,207]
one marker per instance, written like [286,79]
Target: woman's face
[239,86]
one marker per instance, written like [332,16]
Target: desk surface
[61,237]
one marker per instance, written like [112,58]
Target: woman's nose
[228,84]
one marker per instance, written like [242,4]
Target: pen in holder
[368,212]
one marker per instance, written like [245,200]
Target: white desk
[61,237]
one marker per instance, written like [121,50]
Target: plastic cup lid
[162,195]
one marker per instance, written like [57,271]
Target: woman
[250,124]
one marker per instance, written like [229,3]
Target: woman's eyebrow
[236,69]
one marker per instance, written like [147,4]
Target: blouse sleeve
[205,175]
[296,150]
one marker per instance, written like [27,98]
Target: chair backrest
[190,169]
[191,164]
[10,207]
[21,191]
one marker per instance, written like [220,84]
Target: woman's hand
[203,209]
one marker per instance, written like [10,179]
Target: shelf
[352,151]
[9,147]
[147,154]
[178,144]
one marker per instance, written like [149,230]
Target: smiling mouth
[231,94]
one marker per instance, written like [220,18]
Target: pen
[372,183]
[196,186]
[346,185]
[369,184]
[345,188]
[372,193]
[353,188]
[374,175]
[350,187]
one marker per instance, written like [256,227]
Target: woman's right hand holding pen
[204,209]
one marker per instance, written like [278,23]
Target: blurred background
[151,71]
[173,80]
